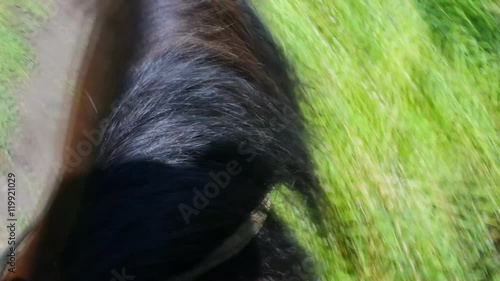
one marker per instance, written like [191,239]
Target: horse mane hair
[205,124]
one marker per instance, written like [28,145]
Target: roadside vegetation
[18,18]
[403,105]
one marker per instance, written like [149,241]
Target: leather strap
[232,246]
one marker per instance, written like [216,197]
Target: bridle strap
[232,245]
[229,248]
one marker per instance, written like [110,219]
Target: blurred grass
[403,103]
[17,18]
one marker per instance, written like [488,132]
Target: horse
[186,117]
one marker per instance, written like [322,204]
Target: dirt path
[44,106]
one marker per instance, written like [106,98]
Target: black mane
[208,106]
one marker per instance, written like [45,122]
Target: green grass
[403,101]
[17,18]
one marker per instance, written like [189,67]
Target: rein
[233,245]
[229,248]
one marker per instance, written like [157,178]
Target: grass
[403,101]
[17,18]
